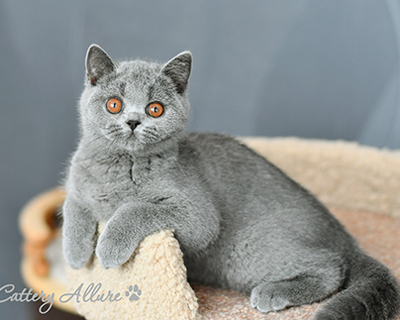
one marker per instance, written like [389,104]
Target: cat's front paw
[76,254]
[111,252]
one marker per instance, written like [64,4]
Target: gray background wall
[309,68]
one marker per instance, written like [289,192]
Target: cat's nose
[133,124]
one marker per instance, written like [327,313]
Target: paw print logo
[134,293]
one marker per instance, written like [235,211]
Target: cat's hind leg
[304,288]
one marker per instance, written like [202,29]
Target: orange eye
[114,105]
[155,109]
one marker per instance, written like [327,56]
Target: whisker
[112,131]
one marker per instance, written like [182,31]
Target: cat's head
[134,105]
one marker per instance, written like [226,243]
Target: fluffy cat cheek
[107,135]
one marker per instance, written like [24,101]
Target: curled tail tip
[351,308]
[374,294]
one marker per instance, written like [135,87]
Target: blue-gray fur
[240,221]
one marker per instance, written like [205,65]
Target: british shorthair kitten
[240,221]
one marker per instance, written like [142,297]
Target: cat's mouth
[132,139]
[119,136]
[131,136]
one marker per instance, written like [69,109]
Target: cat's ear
[178,70]
[98,64]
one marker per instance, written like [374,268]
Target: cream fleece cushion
[155,279]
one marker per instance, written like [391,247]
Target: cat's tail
[371,293]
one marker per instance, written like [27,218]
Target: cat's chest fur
[106,183]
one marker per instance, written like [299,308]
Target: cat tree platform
[361,186]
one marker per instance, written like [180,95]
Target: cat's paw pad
[266,298]
[133,293]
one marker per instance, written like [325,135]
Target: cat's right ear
[98,64]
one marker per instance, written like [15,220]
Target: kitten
[241,222]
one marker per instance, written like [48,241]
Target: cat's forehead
[131,79]
[138,70]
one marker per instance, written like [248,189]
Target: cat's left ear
[178,70]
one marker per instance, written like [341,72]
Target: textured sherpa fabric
[152,285]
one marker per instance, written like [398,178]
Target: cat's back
[214,147]
[246,185]
[224,158]
[233,172]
